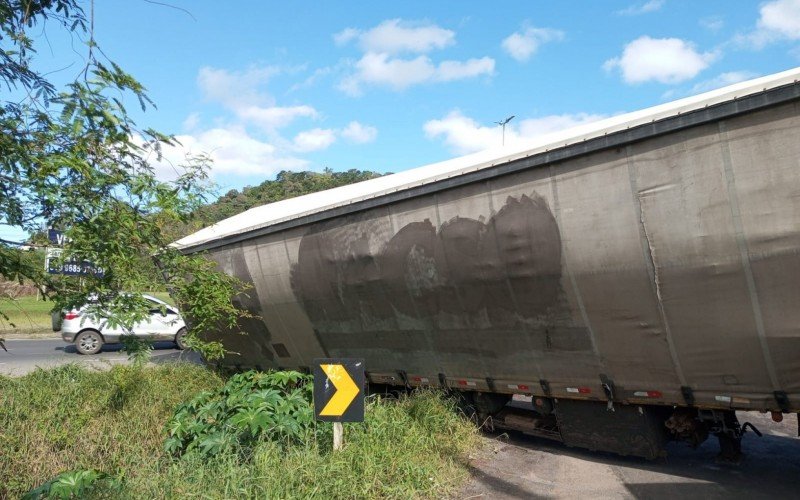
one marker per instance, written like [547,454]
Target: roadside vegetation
[286,185]
[73,159]
[182,431]
[25,315]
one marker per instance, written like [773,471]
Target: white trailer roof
[293,208]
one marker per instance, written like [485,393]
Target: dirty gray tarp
[666,262]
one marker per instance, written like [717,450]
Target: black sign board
[339,389]
[56,237]
[70,267]
[74,268]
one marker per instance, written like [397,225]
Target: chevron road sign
[339,389]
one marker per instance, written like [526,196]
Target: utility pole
[503,123]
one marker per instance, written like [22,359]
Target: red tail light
[72,315]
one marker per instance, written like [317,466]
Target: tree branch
[9,242]
[173,7]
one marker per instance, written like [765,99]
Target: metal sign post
[338,393]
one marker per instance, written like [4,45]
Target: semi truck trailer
[637,279]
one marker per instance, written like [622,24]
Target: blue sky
[264,86]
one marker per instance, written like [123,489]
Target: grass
[70,418]
[26,315]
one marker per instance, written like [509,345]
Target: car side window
[156,308]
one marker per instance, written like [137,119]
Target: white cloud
[314,139]
[191,121]
[535,127]
[358,133]
[233,151]
[236,88]
[398,74]
[522,45]
[244,93]
[236,152]
[344,36]
[458,70]
[719,81]
[312,79]
[637,9]
[350,85]
[778,20]
[247,139]
[464,135]
[781,17]
[395,36]
[274,117]
[722,80]
[386,61]
[712,23]
[665,60]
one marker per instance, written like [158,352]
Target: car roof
[154,299]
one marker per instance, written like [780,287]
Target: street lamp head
[502,123]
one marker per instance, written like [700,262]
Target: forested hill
[286,185]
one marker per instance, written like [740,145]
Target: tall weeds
[115,423]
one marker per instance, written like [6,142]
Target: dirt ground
[518,466]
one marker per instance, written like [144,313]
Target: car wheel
[180,338]
[88,342]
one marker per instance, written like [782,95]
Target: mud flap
[629,430]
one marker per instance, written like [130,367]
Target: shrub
[77,484]
[72,418]
[108,430]
[250,406]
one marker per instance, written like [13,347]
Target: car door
[163,322]
[158,325]
[144,328]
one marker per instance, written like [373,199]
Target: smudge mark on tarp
[463,262]
[529,250]
[409,269]
[499,275]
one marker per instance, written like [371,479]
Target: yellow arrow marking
[346,391]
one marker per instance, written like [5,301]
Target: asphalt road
[24,356]
[519,466]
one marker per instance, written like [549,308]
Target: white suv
[89,333]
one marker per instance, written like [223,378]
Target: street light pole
[503,123]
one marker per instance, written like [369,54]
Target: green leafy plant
[250,407]
[138,349]
[287,184]
[72,158]
[55,420]
[76,484]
